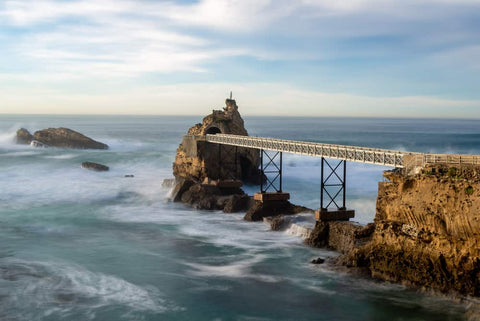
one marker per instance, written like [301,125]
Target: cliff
[426,231]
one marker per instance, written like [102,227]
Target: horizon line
[249,115]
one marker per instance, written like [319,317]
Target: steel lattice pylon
[271,171]
[335,179]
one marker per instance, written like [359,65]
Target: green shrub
[469,190]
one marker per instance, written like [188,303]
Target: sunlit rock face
[427,230]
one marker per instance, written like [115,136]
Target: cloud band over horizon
[309,57]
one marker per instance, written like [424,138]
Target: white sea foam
[237,269]
[7,139]
[63,156]
[57,288]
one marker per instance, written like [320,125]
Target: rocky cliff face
[427,230]
[200,160]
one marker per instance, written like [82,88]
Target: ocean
[82,245]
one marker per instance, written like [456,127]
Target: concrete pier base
[334,215]
[266,197]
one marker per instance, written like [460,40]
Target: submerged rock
[318,261]
[95,167]
[58,137]
[24,137]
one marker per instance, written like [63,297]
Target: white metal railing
[351,153]
[386,157]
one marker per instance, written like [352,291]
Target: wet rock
[237,203]
[95,166]
[259,210]
[169,182]
[66,138]
[24,137]
[202,196]
[181,186]
[319,235]
[277,223]
[317,261]
[36,143]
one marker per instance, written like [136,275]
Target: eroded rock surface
[58,137]
[196,160]
[426,231]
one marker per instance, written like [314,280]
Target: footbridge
[333,173]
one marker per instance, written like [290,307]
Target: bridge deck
[386,157]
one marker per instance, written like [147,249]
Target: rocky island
[58,137]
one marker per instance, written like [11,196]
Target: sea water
[82,245]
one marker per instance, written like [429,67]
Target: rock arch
[213,130]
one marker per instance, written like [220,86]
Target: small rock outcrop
[24,137]
[260,210]
[95,166]
[58,137]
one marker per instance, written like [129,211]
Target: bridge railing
[351,153]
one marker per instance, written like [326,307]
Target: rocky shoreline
[425,232]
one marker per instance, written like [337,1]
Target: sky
[386,58]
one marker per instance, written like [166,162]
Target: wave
[60,290]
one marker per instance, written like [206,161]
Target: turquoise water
[81,245]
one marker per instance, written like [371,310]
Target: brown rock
[426,231]
[197,160]
[66,138]
[237,203]
[259,210]
[95,167]
[181,187]
[24,137]
[317,261]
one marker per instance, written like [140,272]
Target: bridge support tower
[271,180]
[333,192]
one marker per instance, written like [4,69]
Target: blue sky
[408,58]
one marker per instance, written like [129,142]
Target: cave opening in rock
[213,130]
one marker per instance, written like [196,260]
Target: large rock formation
[206,173]
[426,231]
[58,137]
[197,160]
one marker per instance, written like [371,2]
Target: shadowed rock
[24,137]
[67,138]
[260,210]
[95,167]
